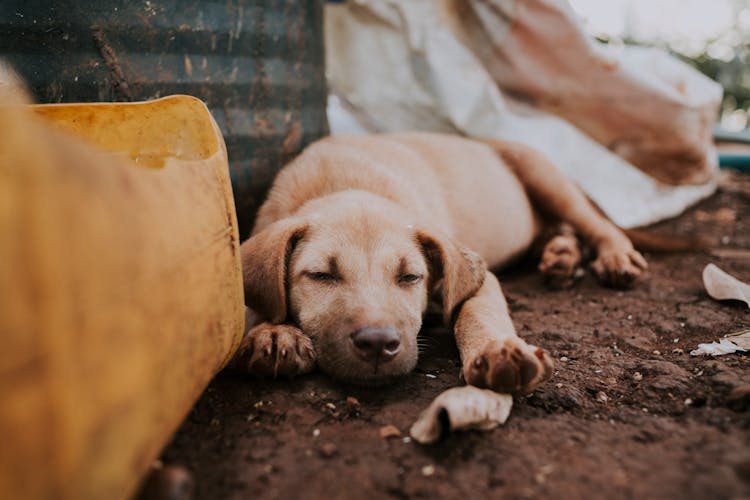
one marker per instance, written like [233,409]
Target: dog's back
[457,185]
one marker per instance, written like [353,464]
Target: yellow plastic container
[120,288]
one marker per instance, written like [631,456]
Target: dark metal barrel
[258,64]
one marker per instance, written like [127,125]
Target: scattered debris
[352,403]
[461,408]
[328,450]
[541,476]
[428,470]
[736,342]
[724,215]
[389,431]
[721,285]
[731,253]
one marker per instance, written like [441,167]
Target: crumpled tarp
[614,119]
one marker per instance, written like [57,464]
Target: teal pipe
[734,161]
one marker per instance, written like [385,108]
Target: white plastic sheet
[524,70]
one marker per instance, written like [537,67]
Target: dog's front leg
[493,355]
[270,350]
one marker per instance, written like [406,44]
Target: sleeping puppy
[360,233]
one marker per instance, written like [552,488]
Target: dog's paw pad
[560,262]
[618,267]
[509,366]
[275,350]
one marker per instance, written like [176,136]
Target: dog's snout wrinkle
[376,344]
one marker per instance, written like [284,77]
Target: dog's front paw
[275,350]
[618,264]
[509,365]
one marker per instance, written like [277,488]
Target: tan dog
[358,233]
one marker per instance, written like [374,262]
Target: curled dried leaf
[460,408]
[721,285]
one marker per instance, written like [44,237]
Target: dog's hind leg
[560,258]
[493,355]
[617,263]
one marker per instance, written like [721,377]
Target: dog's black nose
[376,343]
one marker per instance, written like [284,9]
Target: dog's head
[355,276]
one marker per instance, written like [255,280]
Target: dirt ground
[628,413]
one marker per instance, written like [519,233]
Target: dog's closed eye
[409,279]
[321,276]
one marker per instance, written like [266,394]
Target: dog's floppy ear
[265,257]
[460,271]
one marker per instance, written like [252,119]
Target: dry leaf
[741,338]
[723,286]
[459,408]
[734,342]
[719,348]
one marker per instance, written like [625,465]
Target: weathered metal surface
[258,65]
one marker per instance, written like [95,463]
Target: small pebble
[170,482]
[558,385]
[430,375]
[316,432]
[677,350]
[407,440]
[389,431]
[330,406]
[428,470]
[328,450]
[637,376]
[352,403]
[676,340]
[564,359]
[657,353]
[601,397]
[688,402]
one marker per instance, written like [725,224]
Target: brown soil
[596,430]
